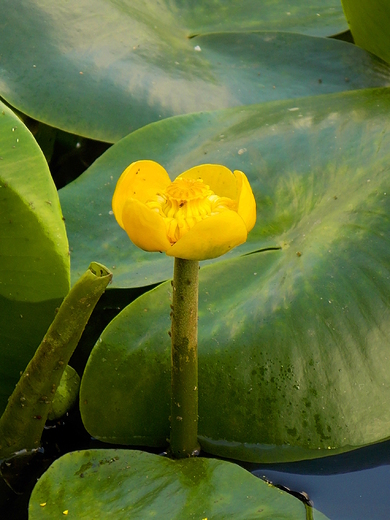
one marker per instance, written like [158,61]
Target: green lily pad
[34,259]
[100,483]
[105,75]
[261,140]
[369,23]
[293,342]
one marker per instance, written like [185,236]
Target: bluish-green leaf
[103,69]
[266,142]
[293,342]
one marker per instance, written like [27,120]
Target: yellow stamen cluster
[186,202]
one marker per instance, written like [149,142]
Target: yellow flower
[203,213]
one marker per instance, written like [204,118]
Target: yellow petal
[141,180]
[211,237]
[220,179]
[145,227]
[246,202]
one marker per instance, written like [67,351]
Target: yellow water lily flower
[203,213]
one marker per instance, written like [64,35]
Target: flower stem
[184,360]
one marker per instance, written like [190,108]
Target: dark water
[351,486]
[360,495]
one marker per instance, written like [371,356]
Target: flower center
[186,202]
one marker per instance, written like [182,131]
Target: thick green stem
[184,366]
[23,420]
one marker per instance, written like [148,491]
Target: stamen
[186,202]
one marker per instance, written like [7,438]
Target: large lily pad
[265,142]
[102,69]
[293,342]
[34,259]
[97,484]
